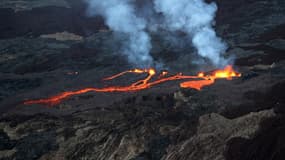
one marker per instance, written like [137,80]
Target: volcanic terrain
[51,46]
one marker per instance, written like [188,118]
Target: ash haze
[194,17]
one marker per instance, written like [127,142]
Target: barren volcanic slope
[51,46]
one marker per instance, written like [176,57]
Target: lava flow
[196,82]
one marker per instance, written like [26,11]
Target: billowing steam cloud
[194,17]
[120,17]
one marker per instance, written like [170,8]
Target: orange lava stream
[197,83]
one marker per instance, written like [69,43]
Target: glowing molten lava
[226,73]
[196,82]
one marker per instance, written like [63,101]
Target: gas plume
[196,18]
[193,17]
[120,16]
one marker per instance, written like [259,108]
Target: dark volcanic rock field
[50,46]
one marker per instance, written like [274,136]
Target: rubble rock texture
[140,134]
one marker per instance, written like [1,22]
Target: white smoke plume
[194,17]
[120,17]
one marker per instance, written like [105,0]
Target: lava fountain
[195,82]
